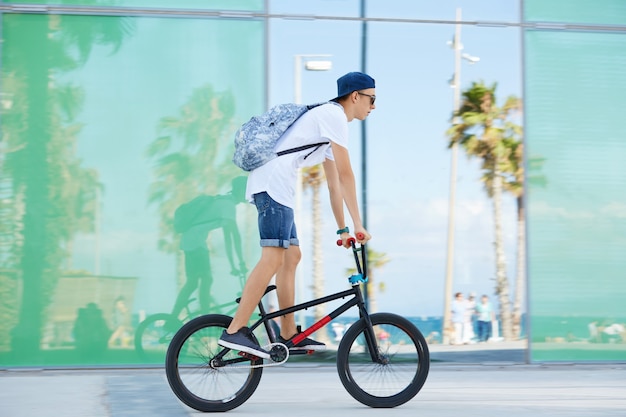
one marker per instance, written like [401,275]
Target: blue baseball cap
[353,81]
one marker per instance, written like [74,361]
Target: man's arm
[334,190]
[342,188]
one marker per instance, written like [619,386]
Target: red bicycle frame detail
[316,326]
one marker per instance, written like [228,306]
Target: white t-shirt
[278,177]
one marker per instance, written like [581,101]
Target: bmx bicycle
[382,359]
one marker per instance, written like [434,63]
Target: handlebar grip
[351,241]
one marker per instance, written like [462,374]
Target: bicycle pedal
[301,352]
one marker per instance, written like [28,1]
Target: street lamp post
[456,85]
[319,62]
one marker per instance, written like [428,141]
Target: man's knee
[292,256]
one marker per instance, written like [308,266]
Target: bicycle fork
[356,280]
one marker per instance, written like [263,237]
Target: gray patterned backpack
[255,141]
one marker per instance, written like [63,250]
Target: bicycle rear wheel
[153,336]
[399,374]
[200,382]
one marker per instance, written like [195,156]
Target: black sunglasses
[371,96]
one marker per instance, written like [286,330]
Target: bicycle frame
[356,299]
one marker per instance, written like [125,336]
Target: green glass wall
[574,91]
[602,12]
[243,5]
[108,125]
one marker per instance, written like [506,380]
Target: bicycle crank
[279,354]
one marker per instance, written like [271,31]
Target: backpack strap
[302,148]
[312,145]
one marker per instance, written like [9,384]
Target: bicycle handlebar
[361,265]
[351,240]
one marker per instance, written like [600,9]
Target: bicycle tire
[153,336]
[399,378]
[195,381]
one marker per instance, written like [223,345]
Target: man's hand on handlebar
[362,236]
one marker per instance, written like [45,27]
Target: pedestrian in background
[458,318]
[485,313]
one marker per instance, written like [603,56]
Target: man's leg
[206,280]
[458,333]
[271,260]
[285,285]
[285,288]
[481,331]
[192,276]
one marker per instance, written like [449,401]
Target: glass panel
[408,156]
[108,125]
[603,12]
[165,4]
[576,205]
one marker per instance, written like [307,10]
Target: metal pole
[297,98]
[452,198]
[298,61]
[364,139]
[297,79]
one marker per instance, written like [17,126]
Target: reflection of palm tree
[191,157]
[313,177]
[13,108]
[375,261]
[484,132]
[44,168]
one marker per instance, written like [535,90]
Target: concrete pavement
[460,383]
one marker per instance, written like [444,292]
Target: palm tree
[375,261]
[313,178]
[483,132]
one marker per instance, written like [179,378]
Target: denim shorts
[276,225]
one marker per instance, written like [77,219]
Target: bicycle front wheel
[199,380]
[401,365]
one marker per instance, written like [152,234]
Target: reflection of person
[220,214]
[458,317]
[120,319]
[90,330]
[272,188]
[485,317]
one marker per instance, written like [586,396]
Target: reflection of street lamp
[311,63]
[455,83]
